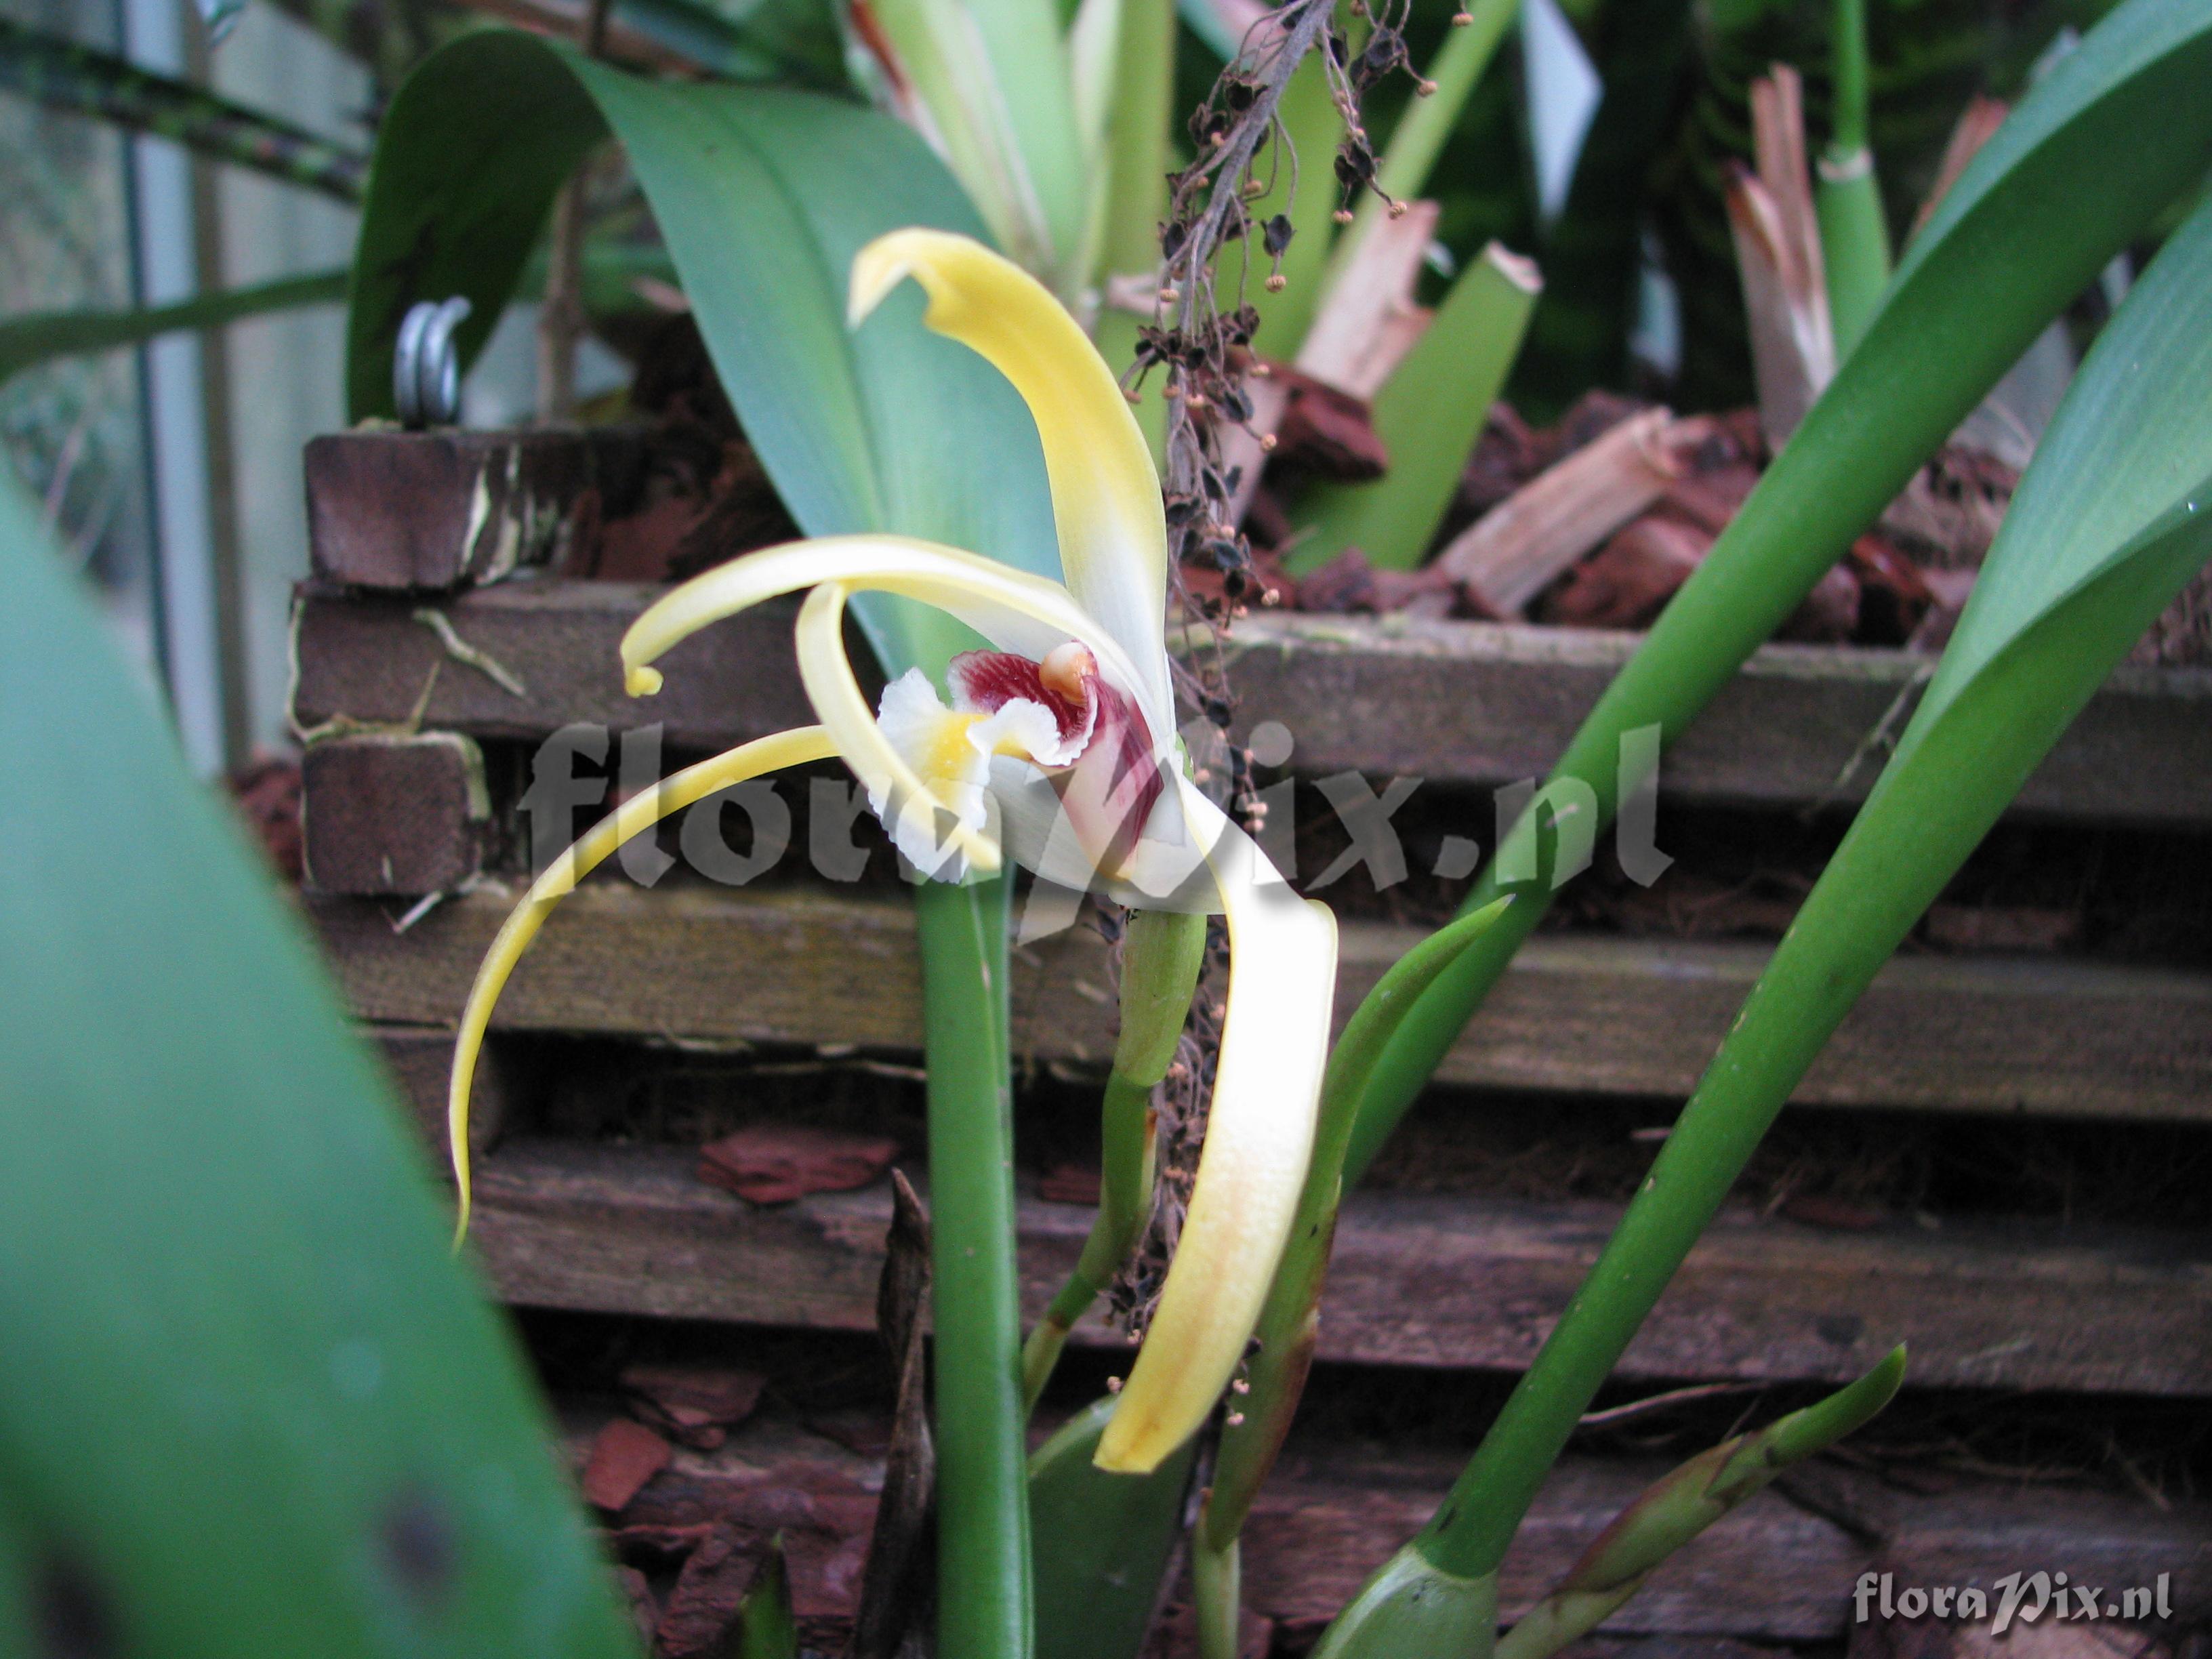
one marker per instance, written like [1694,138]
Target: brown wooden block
[384,813]
[1416,1279]
[359,655]
[1453,702]
[417,510]
[421,1063]
[1574,1013]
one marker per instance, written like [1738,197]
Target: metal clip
[426,373]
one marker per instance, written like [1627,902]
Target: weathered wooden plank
[422,510]
[421,1061]
[372,660]
[1459,703]
[394,813]
[1418,1280]
[1773,1570]
[1579,1013]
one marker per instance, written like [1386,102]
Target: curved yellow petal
[1013,610]
[1259,1138]
[633,817]
[1105,493]
[908,807]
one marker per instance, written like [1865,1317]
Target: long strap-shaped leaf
[34,338]
[92,82]
[2115,133]
[764,196]
[2111,519]
[250,1403]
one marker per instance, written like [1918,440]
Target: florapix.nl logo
[2026,1597]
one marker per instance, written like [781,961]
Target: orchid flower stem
[983,1528]
[1162,953]
[1215,1583]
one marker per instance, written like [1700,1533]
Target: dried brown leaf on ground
[624,1457]
[695,1405]
[781,1163]
[702,1608]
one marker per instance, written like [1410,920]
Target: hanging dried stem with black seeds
[1201,340]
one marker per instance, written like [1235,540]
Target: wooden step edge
[1416,1279]
[1580,1014]
[1775,1568]
[1454,703]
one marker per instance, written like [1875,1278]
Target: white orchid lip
[1057,743]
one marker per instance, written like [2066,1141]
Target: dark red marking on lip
[1113,781]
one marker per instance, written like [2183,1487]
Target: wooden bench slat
[1583,1014]
[1460,703]
[1418,1280]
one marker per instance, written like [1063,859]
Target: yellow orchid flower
[1059,746]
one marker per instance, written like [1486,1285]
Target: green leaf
[766,1629]
[40,335]
[763,194]
[1413,1609]
[2112,517]
[251,1402]
[1103,1542]
[945,56]
[1682,1504]
[1030,56]
[2033,220]
[1428,415]
[66,76]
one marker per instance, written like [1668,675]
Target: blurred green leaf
[37,337]
[251,1401]
[1103,1542]
[60,73]
[766,1626]
[763,195]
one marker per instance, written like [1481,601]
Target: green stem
[983,1530]
[65,76]
[1854,237]
[1216,1577]
[1162,954]
[1847,122]
[30,338]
